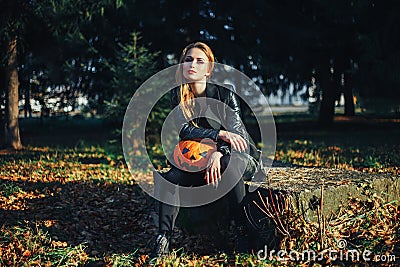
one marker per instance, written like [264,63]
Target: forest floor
[68,198]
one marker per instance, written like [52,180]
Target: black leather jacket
[230,118]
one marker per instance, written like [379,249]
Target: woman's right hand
[237,142]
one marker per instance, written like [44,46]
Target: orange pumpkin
[193,155]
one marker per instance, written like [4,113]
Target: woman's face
[196,65]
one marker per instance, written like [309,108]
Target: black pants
[242,166]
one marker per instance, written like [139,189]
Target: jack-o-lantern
[193,155]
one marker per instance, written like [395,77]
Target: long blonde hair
[186,95]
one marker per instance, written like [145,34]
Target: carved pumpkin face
[193,156]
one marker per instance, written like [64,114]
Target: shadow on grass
[108,217]
[66,132]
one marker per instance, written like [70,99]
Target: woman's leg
[236,170]
[167,212]
[241,165]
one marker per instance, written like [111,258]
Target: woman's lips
[191,72]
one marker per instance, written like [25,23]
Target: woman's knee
[182,178]
[175,176]
[234,161]
[225,161]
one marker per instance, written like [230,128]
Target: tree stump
[309,189]
[308,186]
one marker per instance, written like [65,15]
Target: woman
[193,99]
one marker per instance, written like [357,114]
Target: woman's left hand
[213,172]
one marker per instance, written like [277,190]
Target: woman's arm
[234,123]
[235,134]
[187,130]
[236,141]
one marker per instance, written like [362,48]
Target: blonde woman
[230,137]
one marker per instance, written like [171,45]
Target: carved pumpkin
[192,155]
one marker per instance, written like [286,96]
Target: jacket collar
[212,90]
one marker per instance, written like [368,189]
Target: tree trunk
[3,92]
[348,96]
[12,136]
[327,109]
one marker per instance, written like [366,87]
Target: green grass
[362,143]
[30,246]
[7,189]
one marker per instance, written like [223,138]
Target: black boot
[161,246]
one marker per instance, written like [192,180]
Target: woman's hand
[237,142]
[213,172]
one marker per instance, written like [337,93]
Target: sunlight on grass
[31,246]
[366,159]
[117,260]
[49,164]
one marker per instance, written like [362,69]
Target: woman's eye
[188,59]
[200,61]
